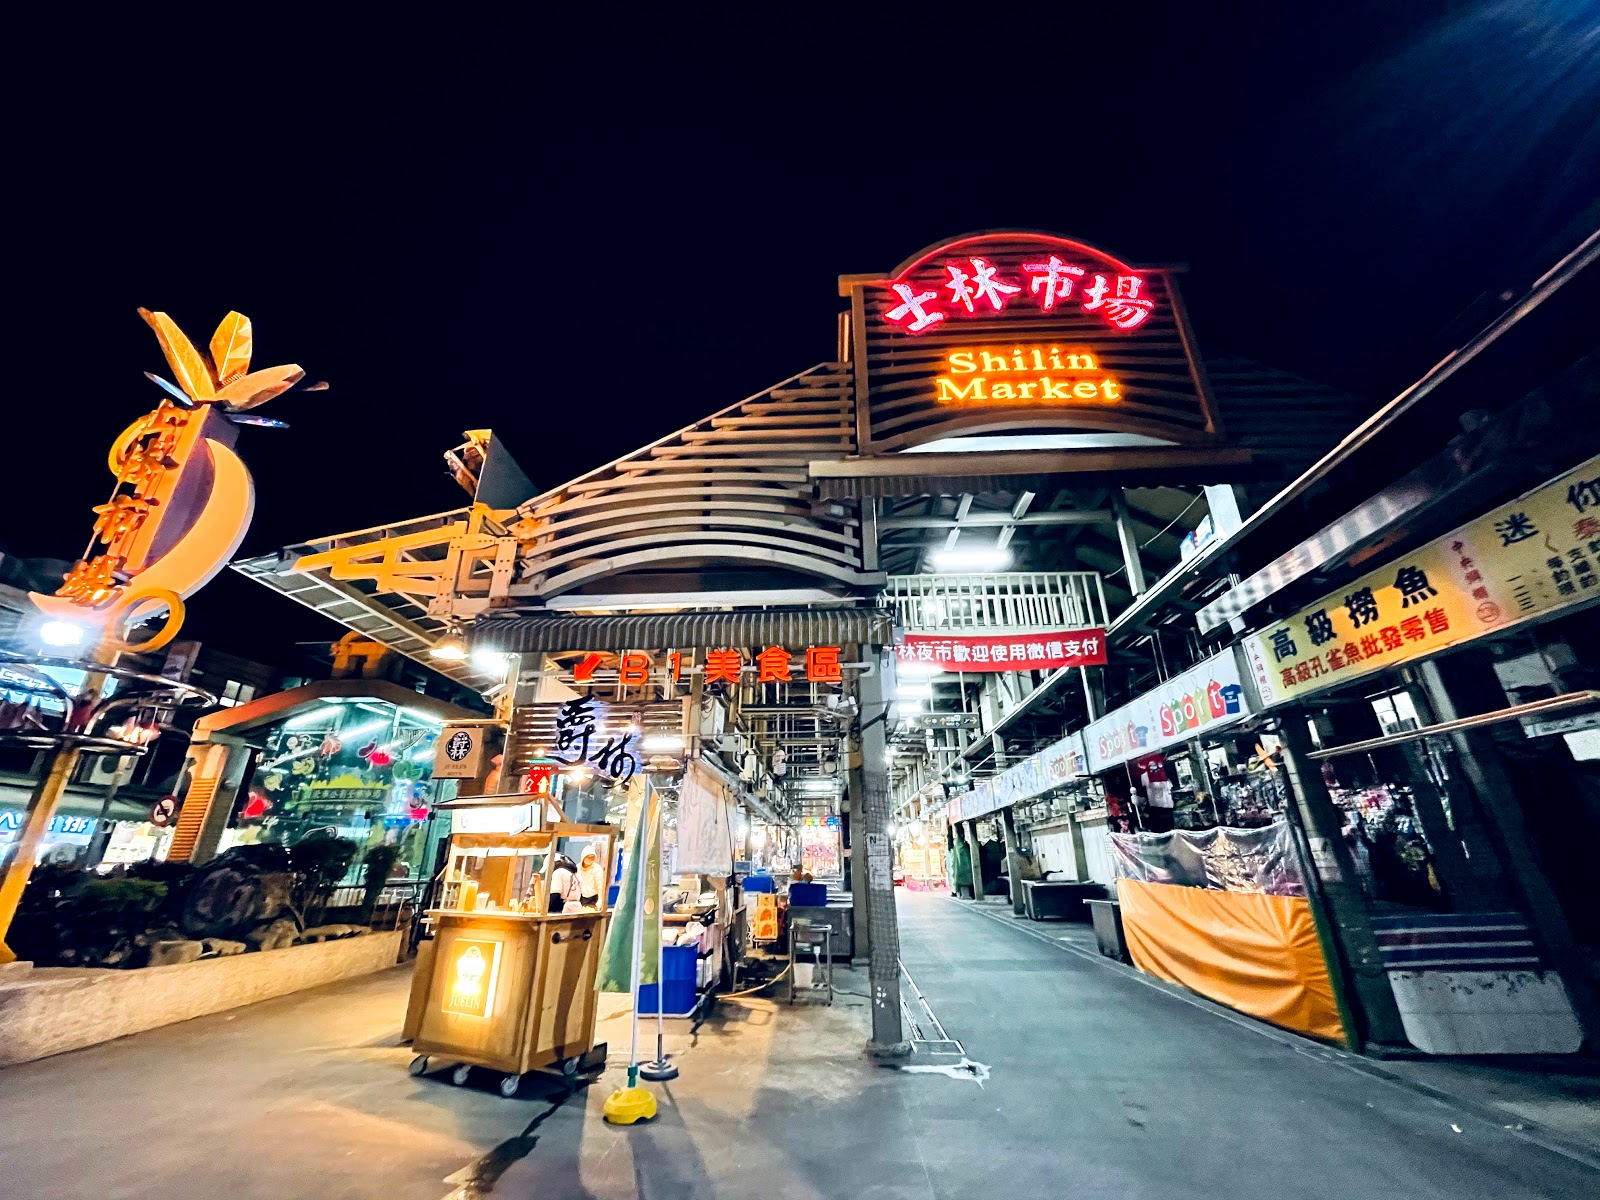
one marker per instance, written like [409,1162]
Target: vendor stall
[508,980]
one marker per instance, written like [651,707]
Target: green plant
[104,897]
[321,861]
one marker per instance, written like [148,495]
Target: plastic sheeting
[1256,953]
[705,826]
[1221,860]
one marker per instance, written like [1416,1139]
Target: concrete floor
[1097,1085]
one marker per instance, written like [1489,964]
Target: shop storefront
[1168,759]
[345,758]
[1457,830]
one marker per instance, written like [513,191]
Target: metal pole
[638,932]
[659,1070]
[41,807]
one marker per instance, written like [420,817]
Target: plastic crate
[678,969]
[758,883]
[808,895]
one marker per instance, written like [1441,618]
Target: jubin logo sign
[473,971]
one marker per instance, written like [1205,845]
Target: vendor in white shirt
[591,879]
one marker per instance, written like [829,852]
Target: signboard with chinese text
[1023,330]
[458,752]
[1034,776]
[1205,698]
[1005,652]
[1528,558]
[771,664]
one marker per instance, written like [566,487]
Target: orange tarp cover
[1255,953]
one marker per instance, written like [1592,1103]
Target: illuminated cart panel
[506,984]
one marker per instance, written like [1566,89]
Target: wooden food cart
[504,983]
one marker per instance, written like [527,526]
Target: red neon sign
[965,279]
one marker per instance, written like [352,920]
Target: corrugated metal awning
[791,627]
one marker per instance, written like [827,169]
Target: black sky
[585,237]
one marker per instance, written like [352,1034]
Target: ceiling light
[918,670]
[662,743]
[914,691]
[451,647]
[970,558]
[491,661]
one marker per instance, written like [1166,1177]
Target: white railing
[1003,601]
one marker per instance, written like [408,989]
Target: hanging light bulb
[451,647]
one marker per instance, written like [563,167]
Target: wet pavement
[1078,1079]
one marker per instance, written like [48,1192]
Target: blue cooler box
[677,975]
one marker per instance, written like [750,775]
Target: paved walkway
[1089,1083]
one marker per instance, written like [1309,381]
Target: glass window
[356,769]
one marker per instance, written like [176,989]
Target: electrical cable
[758,988]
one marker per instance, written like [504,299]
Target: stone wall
[48,1010]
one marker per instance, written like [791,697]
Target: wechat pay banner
[1204,698]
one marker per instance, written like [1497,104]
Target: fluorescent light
[61,633]
[908,708]
[915,691]
[918,670]
[662,743]
[970,558]
[490,660]
[329,710]
[417,714]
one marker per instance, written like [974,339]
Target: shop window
[236,693]
[1396,712]
[355,769]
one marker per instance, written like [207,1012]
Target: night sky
[586,238]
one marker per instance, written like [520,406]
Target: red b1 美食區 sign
[1005,652]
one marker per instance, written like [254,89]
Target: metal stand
[818,939]
[660,1070]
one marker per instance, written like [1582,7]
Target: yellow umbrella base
[627,1105]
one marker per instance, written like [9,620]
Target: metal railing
[1008,600]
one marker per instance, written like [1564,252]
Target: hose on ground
[758,988]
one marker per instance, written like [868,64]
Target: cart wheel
[461,1074]
[569,1067]
[509,1085]
[419,1065]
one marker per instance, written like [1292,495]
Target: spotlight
[452,647]
[61,633]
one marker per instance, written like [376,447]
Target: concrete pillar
[1008,829]
[1339,884]
[1080,852]
[874,864]
[970,829]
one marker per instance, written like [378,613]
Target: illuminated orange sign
[473,971]
[1026,375]
[182,499]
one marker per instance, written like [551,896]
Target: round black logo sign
[459,745]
